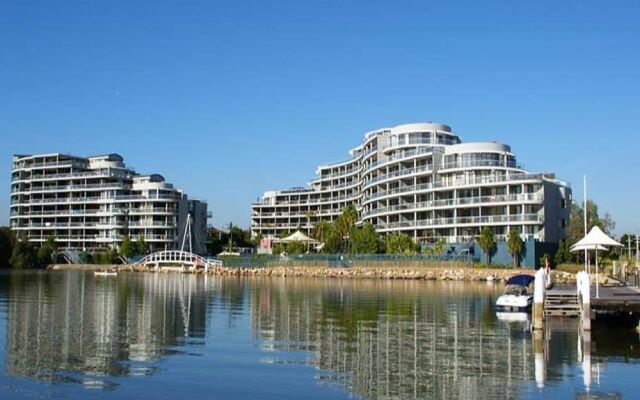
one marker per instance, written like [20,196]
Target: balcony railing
[402,172]
[537,197]
[480,163]
[462,220]
[98,199]
[59,164]
[114,185]
[455,184]
[104,172]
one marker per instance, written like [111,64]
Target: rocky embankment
[419,273]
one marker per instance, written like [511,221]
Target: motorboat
[517,295]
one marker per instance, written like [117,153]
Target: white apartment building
[420,179]
[92,203]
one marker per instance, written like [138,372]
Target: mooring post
[539,359]
[583,284]
[538,298]
[586,360]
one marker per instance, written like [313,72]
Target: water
[72,335]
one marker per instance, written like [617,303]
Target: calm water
[73,335]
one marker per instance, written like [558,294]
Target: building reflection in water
[70,326]
[373,339]
[398,339]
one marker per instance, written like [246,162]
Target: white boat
[518,294]
[105,273]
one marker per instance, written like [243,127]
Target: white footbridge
[178,258]
[187,260]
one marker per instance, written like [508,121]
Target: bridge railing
[179,257]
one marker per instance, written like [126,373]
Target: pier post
[538,299]
[539,359]
[586,360]
[583,285]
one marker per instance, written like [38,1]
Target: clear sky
[229,99]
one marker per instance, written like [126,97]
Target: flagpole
[585,222]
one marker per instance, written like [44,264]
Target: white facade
[92,203]
[420,179]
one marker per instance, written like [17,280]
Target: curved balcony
[397,174]
[451,185]
[460,202]
[452,222]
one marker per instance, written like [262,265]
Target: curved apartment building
[92,203]
[420,179]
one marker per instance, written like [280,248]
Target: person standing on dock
[547,269]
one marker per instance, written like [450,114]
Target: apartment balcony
[462,201]
[453,222]
[406,154]
[101,173]
[397,174]
[72,188]
[50,164]
[123,198]
[311,202]
[340,174]
[460,183]
[480,163]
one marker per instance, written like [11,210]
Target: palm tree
[321,230]
[487,242]
[345,223]
[309,214]
[514,245]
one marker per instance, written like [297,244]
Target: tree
[46,254]
[321,230]
[563,255]
[141,247]
[333,243]
[515,245]
[363,240]
[295,247]
[7,240]
[309,214]
[344,224]
[126,249]
[575,229]
[23,255]
[487,242]
[401,244]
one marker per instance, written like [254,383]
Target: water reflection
[382,340]
[371,339]
[60,324]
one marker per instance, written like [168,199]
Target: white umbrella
[595,240]
[297,236]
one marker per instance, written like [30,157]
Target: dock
[618,302]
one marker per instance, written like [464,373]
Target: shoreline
[377,273]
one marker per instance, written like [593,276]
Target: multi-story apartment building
[92,203]
[420,179]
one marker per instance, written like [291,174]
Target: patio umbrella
[298,236]
[595,240]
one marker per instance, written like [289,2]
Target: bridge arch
[184,259]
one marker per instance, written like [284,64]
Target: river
[69,334]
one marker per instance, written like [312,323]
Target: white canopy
[594,238]
[296,237]
[575,248]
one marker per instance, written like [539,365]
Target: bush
[86,257]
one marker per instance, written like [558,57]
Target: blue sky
[229,99]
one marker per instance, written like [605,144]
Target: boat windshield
[516,290]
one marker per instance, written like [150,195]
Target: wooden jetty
[618,302]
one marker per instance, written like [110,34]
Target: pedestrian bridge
[178,258]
